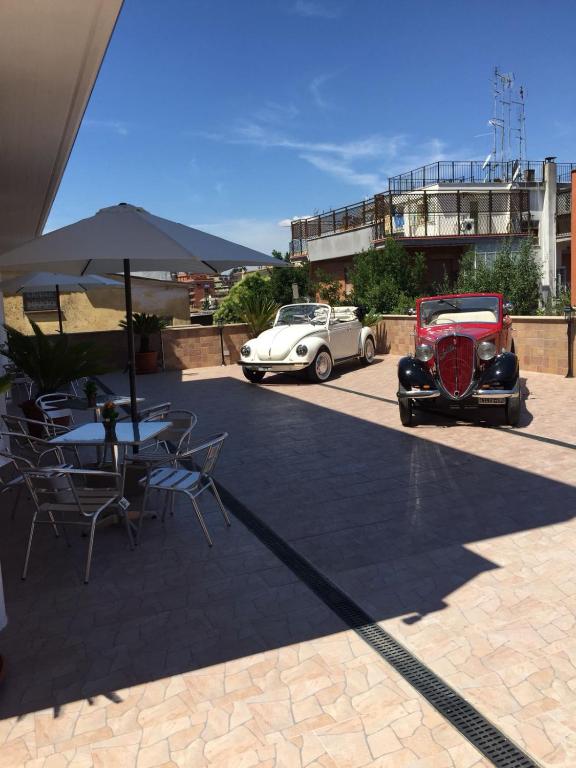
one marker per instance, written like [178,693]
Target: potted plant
[52,362]
[109,419]
[145,326]
[91,391]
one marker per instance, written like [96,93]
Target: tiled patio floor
[458,538]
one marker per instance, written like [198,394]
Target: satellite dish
[485,163]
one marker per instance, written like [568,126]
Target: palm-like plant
[258,312]
[52,362]
[146,326]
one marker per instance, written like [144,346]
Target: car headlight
[486,350]
[424,352]
[245,351]
[301,350]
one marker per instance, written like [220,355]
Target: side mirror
[411,311]
[508,307]
[360,313]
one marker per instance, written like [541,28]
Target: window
[40,301]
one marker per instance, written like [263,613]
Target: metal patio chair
[53,406]
[164,475]
[36,449]
[21,432]
[57,495]
[12,465]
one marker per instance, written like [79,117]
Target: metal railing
[475,172]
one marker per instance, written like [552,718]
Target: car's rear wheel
[321,368]
[406,411]
[513,405]
[254,376]
[369,351]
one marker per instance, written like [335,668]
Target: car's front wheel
[321,368]
[369,352]
[406,411]
[254,376]
[513,405]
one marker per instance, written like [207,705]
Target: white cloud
[315,89]
[313,9]
[345,172]
[262,234]
[115,126]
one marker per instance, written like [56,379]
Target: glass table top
[127,433]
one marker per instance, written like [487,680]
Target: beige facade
[102,309]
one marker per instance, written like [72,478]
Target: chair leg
[90,548]
[201,519]
[16,501]
[142,513]
[29,547]
[128,526]
[54,526]
[219,500]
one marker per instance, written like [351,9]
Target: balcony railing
[475,172]
[424,214]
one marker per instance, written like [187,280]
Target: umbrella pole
[59,309]
[130,337]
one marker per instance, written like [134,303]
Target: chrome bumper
[479,394]
[418,394]
[276,367]
[491,394]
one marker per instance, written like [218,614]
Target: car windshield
[459,309]
[297,314]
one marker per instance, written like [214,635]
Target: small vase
[110,430]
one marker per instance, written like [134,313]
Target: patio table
[127,433]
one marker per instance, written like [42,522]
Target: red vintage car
[463,357]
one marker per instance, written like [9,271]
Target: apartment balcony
[460,215]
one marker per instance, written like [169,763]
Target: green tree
[282,278]
[515,274]
[327,287]
[281,257]
[229,310]
[387,279]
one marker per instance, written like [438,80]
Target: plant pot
[146,362]
[31,411]
[109,430]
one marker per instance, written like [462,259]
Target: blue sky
[231,115]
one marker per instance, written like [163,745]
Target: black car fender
[414,373]
[503,370]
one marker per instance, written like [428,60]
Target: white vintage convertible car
[314,337]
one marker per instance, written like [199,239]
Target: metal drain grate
[479,731]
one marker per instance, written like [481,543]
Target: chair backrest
[155,412]
[35,445]
[180,433]
[18,463]
[43,429]
[53,400]
[48,486]
[212,446]
[78,385]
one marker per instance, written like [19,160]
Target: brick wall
[541,342]
[196,346]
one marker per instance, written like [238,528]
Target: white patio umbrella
[125,237]
[46,281]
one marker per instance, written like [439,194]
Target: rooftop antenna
[508,126]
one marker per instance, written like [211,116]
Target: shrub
[386,280]
[229,310]
[281,280]
[258,312]
[515,274]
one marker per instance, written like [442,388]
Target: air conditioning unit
[468,226]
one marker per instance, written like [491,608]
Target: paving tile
[457,536]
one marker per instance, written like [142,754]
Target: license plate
[263,368]
[493,401]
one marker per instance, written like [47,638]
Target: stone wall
[540,342]
[197,346]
